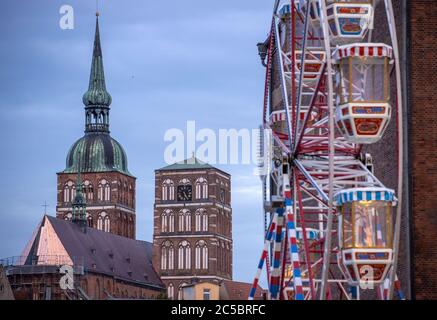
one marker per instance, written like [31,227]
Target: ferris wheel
[331,226]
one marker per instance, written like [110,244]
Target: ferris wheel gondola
[332,227]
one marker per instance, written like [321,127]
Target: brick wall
[218,235]
[418,254]
[423,144]
[96,286]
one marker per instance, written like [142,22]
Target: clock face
[184,193]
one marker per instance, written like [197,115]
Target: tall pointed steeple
[97,100]
[101,162]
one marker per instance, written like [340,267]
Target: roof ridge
[189,163]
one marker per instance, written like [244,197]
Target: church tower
[192,236]
[106,184]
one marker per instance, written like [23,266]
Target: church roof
[188,164]
[57,241]
[96,152]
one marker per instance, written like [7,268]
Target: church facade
[192,239]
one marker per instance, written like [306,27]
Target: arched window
[167,221]
[125,226]
[164,257]
[88,190]
[109,287]
[171,222]
[228,258]
[167,256]
[180,291]
[184,221]
[164,221]
[171,258]
[119,193]
[131,196]
[100,222]
[66,193]
[170,291]
[68,216]
[97,290]
[125,193]
[85,285]
[201,188]
[130,227]
[104,191]
[89,219]
[201,260]
[107,224]
[168,190]
[103,222]
[223,256]
[184,255]
[69,191]
[107,193]
[201,220]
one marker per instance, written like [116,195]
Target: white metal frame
[323,159]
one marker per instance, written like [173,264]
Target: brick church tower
[192,238]
[107,185]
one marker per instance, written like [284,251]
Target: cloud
[165,63]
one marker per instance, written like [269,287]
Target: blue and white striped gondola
[365,234]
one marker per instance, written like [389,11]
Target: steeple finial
[97,100]
[45,205]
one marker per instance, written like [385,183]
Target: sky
[165,63]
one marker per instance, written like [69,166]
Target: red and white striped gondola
[363,91]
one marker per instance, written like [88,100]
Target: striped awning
[366,194]
[284,10]
[363,50]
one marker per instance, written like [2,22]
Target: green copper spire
[97,100]
[79,203]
